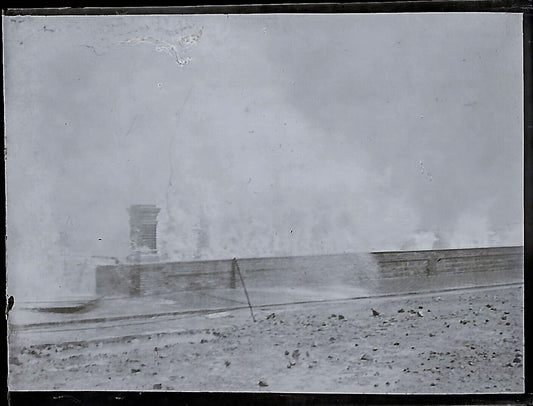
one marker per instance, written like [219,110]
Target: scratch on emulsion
[177,46]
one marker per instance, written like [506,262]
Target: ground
[463,341]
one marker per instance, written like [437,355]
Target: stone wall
[410,271]
[381,271]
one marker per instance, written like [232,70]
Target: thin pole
[236,265]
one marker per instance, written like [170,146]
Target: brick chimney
[143,232]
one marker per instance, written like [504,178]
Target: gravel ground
[461,342]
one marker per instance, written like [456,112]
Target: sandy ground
[454,342]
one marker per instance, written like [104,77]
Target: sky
[265,135]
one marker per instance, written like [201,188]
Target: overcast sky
[278,134]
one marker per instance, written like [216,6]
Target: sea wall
[381,272]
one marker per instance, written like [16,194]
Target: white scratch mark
[176,46]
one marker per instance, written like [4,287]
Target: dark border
[198,398]
[256,399]
[391,6]
[528,195]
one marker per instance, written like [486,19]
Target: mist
[268,135]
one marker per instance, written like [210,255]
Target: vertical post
[234,262]
[233,276]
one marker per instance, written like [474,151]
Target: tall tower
[143,232]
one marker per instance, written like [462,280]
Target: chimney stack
[143,232]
